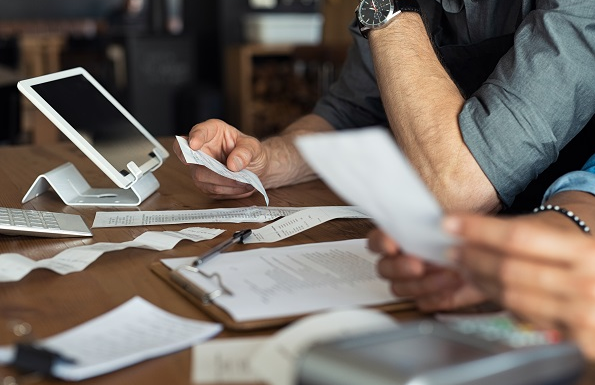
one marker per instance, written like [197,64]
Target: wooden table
[52,303]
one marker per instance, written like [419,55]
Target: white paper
[288,281]
[301,221]
[13,267]
[367,169]
[200,158]
[275,361]
[253,214]
[225,361]
[131,333]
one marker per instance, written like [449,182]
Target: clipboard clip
[205,287]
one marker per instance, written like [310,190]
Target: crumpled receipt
[200,158]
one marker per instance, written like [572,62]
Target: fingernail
[452,225]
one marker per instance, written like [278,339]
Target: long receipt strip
[367,169]
[268,283]
[200,158]
[301,221]
[253,214]
[13,267]
[131,333]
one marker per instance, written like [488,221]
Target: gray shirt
[540,95]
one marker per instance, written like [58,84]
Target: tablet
[96,123]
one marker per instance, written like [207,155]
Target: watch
[376,14]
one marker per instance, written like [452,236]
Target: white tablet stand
[74,190]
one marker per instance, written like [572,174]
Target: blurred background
[258,64]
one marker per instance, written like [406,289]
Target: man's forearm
[422,105]
[285,165]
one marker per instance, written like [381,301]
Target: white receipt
[253,214]
[225,361]
[367,169]
[301,221]
[131,333]
[13,267]
[200,158]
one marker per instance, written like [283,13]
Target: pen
[237,237]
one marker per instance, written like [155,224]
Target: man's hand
[232,148]
[541,271]
[433,288]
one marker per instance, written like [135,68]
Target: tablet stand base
[74,190]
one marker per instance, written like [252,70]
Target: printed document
[200,158]
[367,169]
[253,214]
[288,281]
[131,333]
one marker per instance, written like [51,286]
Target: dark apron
[469,66]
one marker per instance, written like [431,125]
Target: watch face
[374,13]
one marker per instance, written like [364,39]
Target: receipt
[13,267]
[200,158]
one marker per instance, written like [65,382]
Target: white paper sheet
[367,169]
[275,361]
[225,361]
[131,333]
[200,158]
[253,214]
[301,221]
[13,267]
[288,281]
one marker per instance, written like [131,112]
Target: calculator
[42,223]
[434,353]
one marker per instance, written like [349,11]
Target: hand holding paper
[367,169]
[202,159]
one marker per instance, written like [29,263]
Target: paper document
[301,221]
[253,214]
[131,333]
[200,158]
[288,281]
[13,267]
[367,169]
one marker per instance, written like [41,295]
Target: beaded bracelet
[579,222]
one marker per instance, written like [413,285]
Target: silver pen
[237,237]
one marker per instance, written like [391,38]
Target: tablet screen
[86,109]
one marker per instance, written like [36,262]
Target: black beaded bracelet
[579,222]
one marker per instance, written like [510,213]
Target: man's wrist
[405,21]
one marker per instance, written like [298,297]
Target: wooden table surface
[52,303]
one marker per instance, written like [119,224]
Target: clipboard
[204,300]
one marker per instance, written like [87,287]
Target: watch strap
[407,6]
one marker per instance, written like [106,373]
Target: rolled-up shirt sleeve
[583,180]
[540,95]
